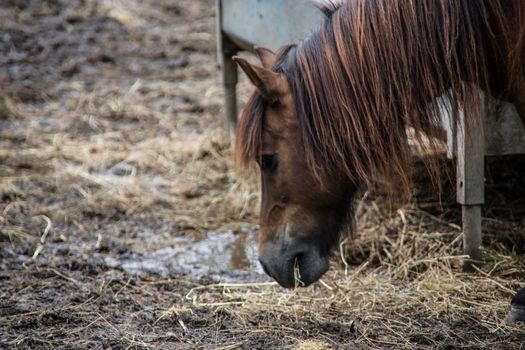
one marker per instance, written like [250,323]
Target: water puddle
[221,256]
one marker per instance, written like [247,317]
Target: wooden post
[471,216]
[225,50]
[470,173]
[229,70]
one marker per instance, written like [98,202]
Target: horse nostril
[265,269]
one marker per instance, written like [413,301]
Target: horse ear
[267,56]
[269,83]
[328,7]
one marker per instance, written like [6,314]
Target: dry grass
[111,145]
[408,293]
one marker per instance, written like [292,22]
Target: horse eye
[275,103]
[268,162]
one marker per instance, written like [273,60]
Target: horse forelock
[249,131]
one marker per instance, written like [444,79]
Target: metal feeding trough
[242,24]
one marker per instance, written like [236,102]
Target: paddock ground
[124,226]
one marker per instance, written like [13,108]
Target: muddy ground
[124,226]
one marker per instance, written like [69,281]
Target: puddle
[221,256]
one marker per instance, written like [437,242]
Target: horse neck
[478,53]
[376,66]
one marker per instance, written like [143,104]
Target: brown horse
[329,114]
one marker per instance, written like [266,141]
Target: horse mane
[375,67]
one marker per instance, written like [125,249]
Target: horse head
[300,215]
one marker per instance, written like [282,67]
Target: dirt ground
[123,224]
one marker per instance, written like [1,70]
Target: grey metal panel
[505,131]
[269,23]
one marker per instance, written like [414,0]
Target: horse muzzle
[293,264]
